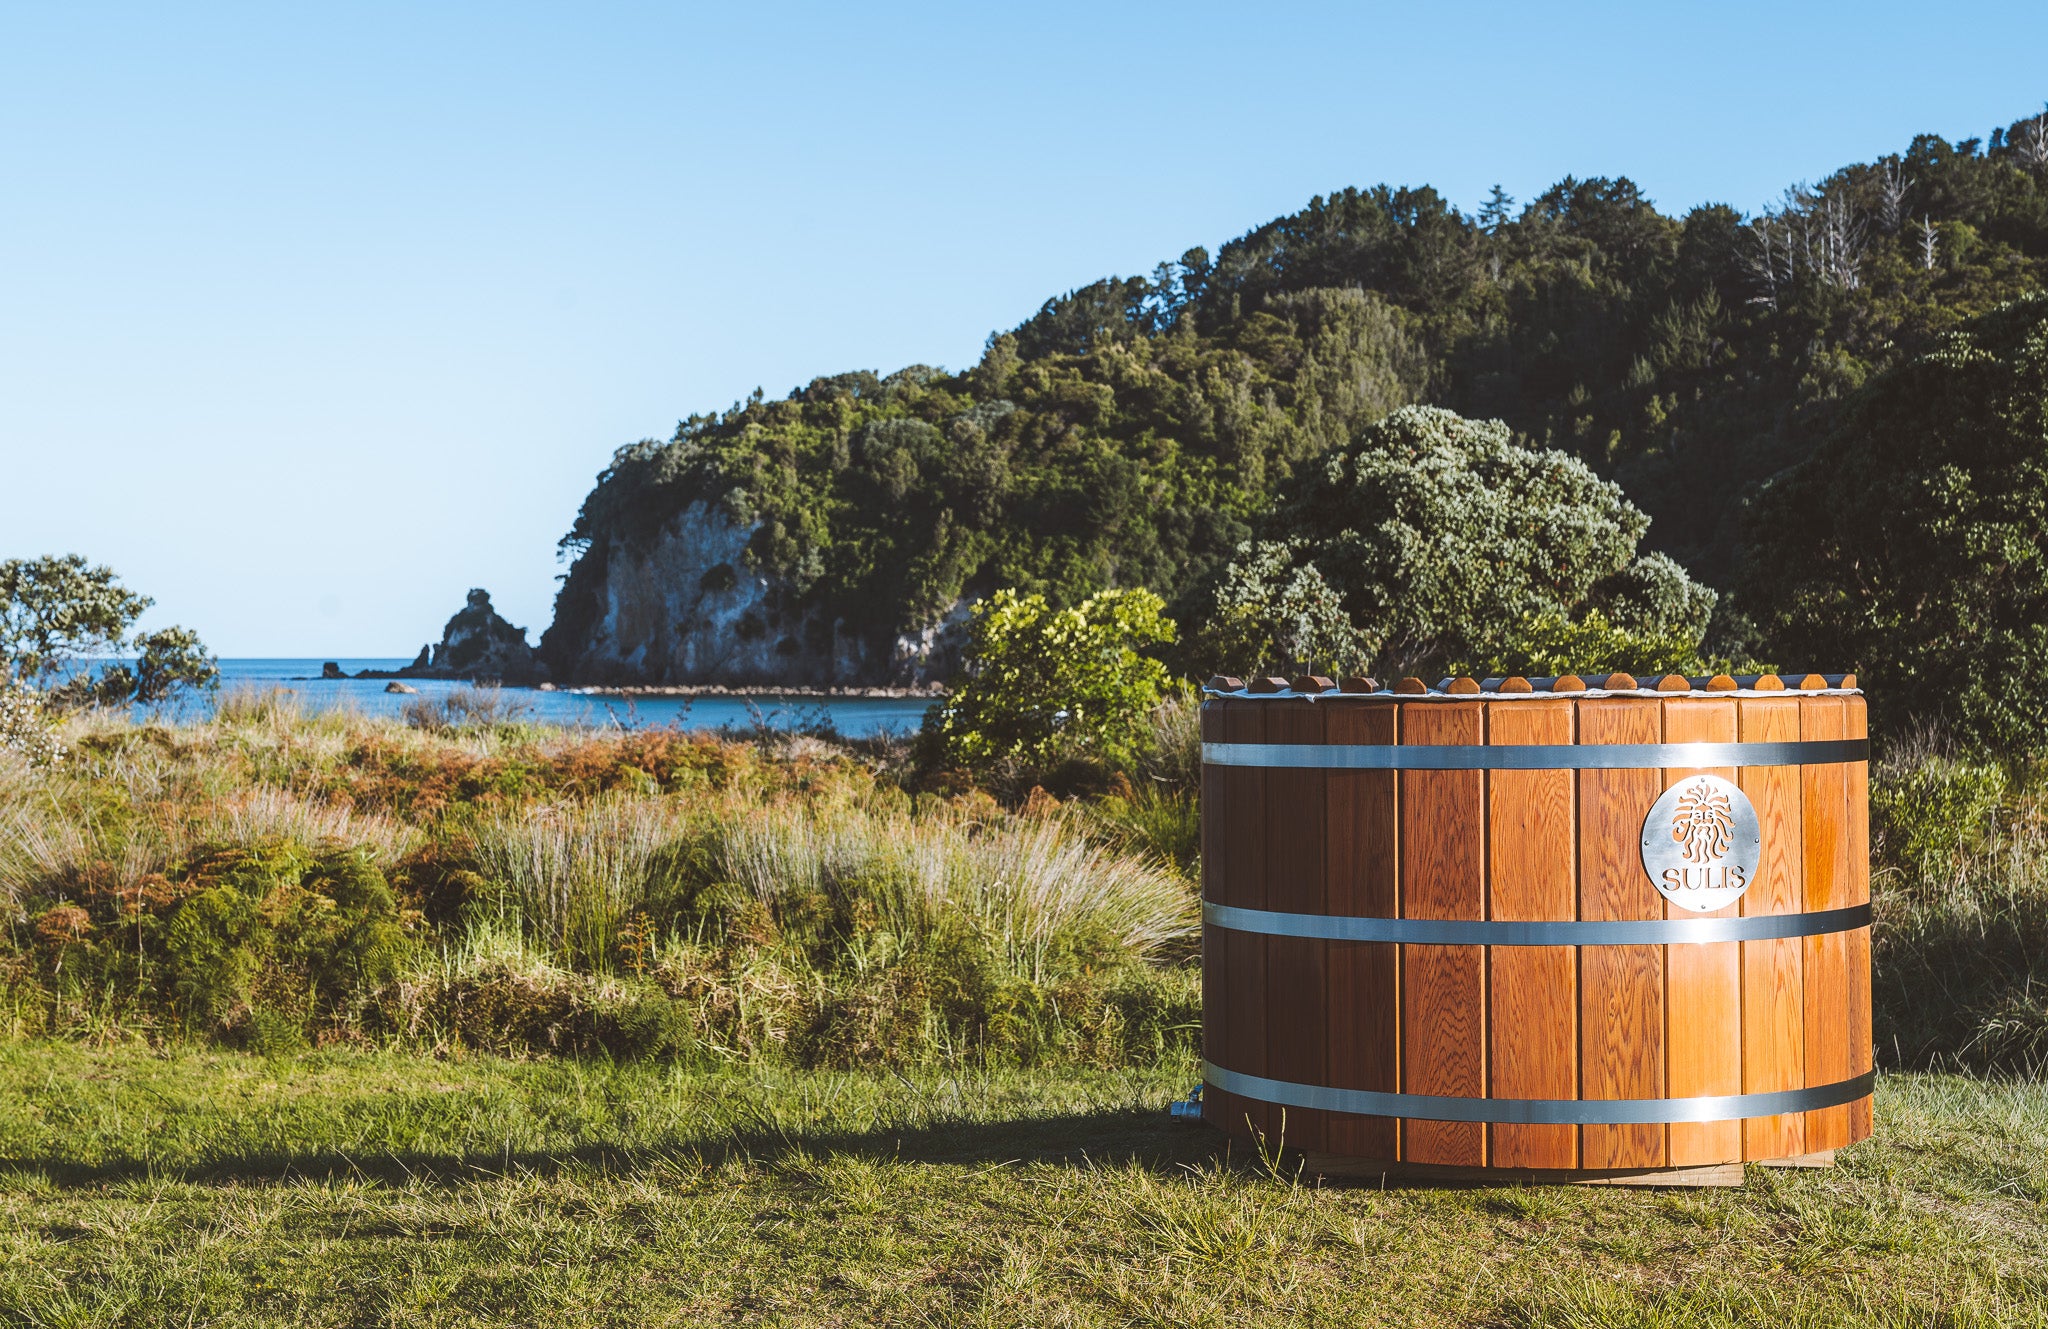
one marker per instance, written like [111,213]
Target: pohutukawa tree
[1445,540]
[59,614]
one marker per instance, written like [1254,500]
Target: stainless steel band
[1538,1111]
[1499,932]
[1531,756]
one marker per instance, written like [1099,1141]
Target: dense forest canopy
[1913,540]
[1133,432]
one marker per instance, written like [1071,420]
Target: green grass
[359,1188]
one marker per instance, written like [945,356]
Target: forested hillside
[1134,431]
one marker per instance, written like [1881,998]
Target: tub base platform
[1336,1167]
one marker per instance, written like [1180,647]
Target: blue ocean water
[855,717]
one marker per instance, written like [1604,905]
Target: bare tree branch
[1892,184]
[2030,143]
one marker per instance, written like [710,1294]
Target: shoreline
[926,692]
[932,693]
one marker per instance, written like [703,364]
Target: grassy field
[351,1187]
[313,1019]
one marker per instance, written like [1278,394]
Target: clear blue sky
[312,317]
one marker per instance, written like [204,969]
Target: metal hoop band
[1538,1111]
[1498,932]
[1532,756]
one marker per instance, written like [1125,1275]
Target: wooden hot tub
[1433,940]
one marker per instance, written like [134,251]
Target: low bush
[243,942]
[1041,687]
[1930,810]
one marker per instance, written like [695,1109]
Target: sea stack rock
[479,644]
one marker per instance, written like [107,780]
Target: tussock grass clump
[828,936]
[1157,821]
[574,872]
[1028,885]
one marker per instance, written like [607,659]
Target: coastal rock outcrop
[686,607]
[478,644]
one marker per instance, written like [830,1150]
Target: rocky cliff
[478,643]
[686,607]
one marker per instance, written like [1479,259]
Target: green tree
[1445,538]
[59,611]
[1042,685]
[1497,210]
[169,659]
[1272,610]
[1912,547]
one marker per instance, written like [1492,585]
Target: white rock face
[690,610]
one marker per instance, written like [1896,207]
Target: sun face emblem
[1701,843]
[1704,823]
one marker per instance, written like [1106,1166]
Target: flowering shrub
[25,727]
[1274,610]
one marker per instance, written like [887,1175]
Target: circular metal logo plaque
[1701,843]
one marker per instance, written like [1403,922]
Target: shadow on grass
[1147,1139]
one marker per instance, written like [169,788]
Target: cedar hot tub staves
[1534,927]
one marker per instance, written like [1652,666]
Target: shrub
[1550,645]
[57,609]
[1443,536]
[169,659]
[1044,684]
[273,929]
[1930,811]
[514,1009]
[276,933]
[25,727]
[1272,610]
